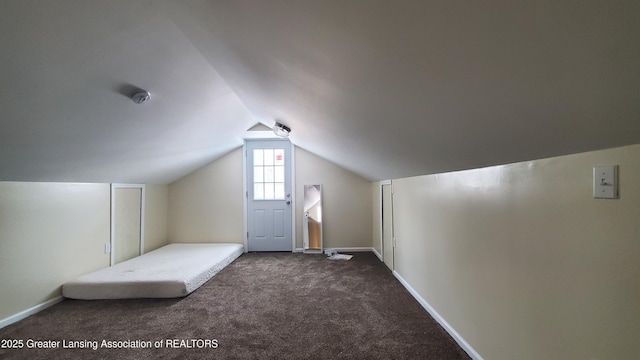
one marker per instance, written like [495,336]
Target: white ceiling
[385,89]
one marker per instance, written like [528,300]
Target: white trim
[340,249]
[245,204]
[454,334]
[393,239]
[293,196]
[376,253]
[260,135]
[264,135]
[142,218]
[30,311]
[312,251]
[115,186]
[382,183]
[351,249]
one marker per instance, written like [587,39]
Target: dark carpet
[262,306]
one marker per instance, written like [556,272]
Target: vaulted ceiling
[384,88]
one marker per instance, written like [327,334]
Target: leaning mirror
[312,220]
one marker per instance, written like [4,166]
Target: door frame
[246,190]
[114,187]
[393,242]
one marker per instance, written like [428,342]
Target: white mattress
[174,270]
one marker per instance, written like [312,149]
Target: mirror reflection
[312,226]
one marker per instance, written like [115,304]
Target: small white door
[269,195]
[387,226]
[127,227]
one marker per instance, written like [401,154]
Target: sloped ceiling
[68,68]
[386,89]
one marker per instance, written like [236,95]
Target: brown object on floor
[262,306]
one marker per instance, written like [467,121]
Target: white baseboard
[23,314]
[314,251]
[301,250]
[344,249]
[454,334]
[350,249]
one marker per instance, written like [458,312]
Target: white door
[269,195]
[387,226]
[127,227]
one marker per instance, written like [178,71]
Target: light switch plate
[107,248]
[605,182]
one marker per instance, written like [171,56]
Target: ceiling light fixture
[141,96]
[281,130]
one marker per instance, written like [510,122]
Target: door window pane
[258,174]
[258,191]
[269,191]
[279,174]
[268,174]
[279,191]
[258,156]
[268,156]
[279,157]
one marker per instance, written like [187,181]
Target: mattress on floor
[174,270]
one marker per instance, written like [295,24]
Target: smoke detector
[281,130]
[141,96]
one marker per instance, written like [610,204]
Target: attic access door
[388,245]
[268,177]
[127,222]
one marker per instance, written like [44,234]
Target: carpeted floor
[262,306]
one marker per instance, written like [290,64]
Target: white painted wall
[53,232]
[520,259]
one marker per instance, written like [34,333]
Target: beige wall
[522,261]
[155,213]
[346,201]
[53,232]
[207,205]
[50,233]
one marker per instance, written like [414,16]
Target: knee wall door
[127,225]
